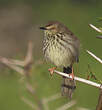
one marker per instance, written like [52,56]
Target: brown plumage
[61,47]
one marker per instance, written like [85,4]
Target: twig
[30,88]
[28,102]
[95,28]
[80,79]
[94,56]
[51,98]
[91,74]
[29,57]
[99,37]
[81,108]
[18,64]
[9,63]
[45,105]
[67,106]
[12,61]
[99,105]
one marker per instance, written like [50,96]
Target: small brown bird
[61,47]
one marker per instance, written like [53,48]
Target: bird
[61,48]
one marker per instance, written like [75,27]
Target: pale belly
[58,56]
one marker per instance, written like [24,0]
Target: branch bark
[99,105]
[95,28]
[79,79]
[94,56]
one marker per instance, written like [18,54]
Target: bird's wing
[73,44]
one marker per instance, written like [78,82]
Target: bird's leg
[51,70]
[72,74]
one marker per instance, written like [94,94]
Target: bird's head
[53,27]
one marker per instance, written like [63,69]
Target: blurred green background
[19,23]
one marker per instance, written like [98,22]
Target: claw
[72,74]
[51,70]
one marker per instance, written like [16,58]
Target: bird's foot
[51,70]
[72,75]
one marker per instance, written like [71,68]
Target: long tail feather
[68,86]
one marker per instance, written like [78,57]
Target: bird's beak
[43,28]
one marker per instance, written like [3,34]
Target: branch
[9,63]
[81,108]
[94,56]
[29,56]
[45,101]
[80,79]
[67,106]
[51,98]
[99,37]
[30,88]
[28,102]
[95,28]
[99,105]
[18,64]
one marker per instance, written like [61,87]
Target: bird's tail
[68,85]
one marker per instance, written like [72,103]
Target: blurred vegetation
[20,23]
